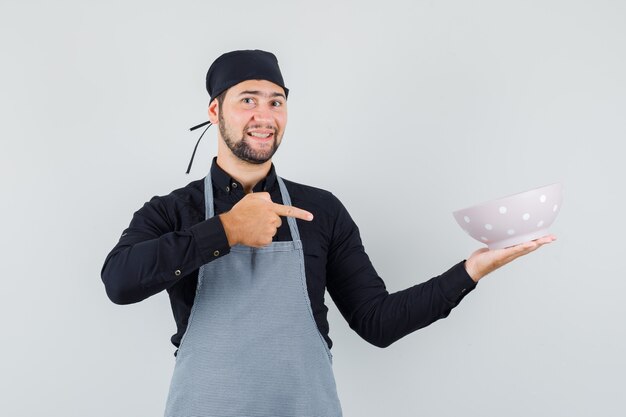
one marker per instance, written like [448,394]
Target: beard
[242,149]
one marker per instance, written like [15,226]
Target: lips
[261,134]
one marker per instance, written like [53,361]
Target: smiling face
[252,119]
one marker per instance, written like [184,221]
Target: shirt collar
[222,180]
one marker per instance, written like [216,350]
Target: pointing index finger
[291,211]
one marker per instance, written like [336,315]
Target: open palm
[483,261]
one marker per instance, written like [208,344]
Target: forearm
[362,298]
[135,270]
[389,317]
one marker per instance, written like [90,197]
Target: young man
[246,257]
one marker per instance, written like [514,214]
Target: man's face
[252,119]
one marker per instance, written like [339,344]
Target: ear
[213,107]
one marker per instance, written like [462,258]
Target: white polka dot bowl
[512,220]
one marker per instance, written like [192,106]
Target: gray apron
[252,347]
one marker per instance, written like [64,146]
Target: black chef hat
[234,67]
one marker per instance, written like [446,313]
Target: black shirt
[168,239]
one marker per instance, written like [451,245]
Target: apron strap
[208,196]
[295,234]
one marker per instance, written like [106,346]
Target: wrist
[471,271]
[226,220]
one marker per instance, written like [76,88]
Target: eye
[247,98]
[277,103]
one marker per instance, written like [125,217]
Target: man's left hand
[483,261]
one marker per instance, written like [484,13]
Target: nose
[263,115]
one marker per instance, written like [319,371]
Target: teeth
[260,135]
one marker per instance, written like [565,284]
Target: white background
[406,110]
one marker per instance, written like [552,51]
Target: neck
[246,173]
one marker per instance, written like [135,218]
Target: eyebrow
[258,93]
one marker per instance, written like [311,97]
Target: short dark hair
[220,98]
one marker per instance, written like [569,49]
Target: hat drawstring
[196,147]
[191,129]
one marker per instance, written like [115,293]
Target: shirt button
[177,272]
[227,188]
[216,253]
[234,185]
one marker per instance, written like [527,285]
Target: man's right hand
[255,219]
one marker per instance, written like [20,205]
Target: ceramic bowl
[514,219]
